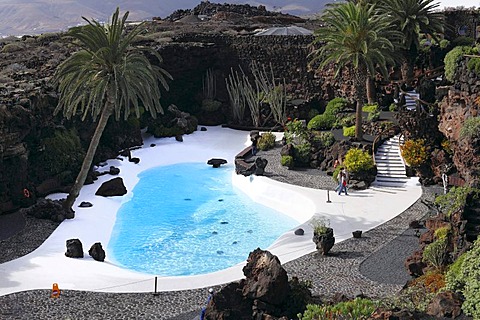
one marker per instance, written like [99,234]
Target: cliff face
[460,104]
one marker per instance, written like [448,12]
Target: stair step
[384,162]
[391,176]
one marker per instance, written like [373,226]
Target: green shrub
[336,106]
[13,47]
[414,152]
[346,121]
[435,253]
[455,199]
[358,309]
[295,132]
[349,131]
[473,64]
[373,116]
[287,161]
[322,122]
[454,277]
[357,160]
[393,107]
[465,277]
[442,233]
[451,60]
[326,138]
[210,105]
[160,131]
[444,43]
[62,152]
[301,153]
[266,141]
[470,128]
[370,108]
[320,224]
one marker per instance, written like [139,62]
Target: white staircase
[411,98]
[390,165]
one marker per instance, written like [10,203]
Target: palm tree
[354,37]
[411,18]
[107,76]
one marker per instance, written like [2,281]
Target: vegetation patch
[414,152]
[266,141]
[357,160]
[470,128]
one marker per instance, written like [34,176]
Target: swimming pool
[188,219]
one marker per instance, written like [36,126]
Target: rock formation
[265,293]
[74,248]
[96,252]
[112,188]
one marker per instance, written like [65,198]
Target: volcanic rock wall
[461,103]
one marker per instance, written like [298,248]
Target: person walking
[342,183]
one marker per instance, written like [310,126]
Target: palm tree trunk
[370,85]
[360,78]
[87,161]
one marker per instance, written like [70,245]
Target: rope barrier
[123,285]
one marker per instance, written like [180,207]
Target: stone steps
[391,172]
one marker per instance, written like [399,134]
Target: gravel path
[371,265]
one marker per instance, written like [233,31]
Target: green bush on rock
[266,141]
[470,128]
[327,139]
[357,160]
[358,308]
[322,122]
[464,276]
[287,161]
[435,253]
[349,131]
[455,199]
[62,152]
[301,153]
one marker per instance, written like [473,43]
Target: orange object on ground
[55,291]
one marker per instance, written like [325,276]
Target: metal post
[155,292]
[328,196]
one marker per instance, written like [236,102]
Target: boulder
[85,204]
[49,209]
[415,264]
[215,162]
[229,304]
[445,305]
[266,280]
[96,252]
[260,164]
[112,188]
[299,232]
[114,171]
[74,248]
[248,168]
[265,293]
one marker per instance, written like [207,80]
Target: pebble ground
[372,266]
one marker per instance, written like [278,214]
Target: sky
[39,16]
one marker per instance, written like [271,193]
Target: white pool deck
[361,210]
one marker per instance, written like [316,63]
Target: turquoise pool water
[188,219]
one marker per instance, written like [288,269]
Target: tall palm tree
[411,18]
[107,76]
[354,37]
